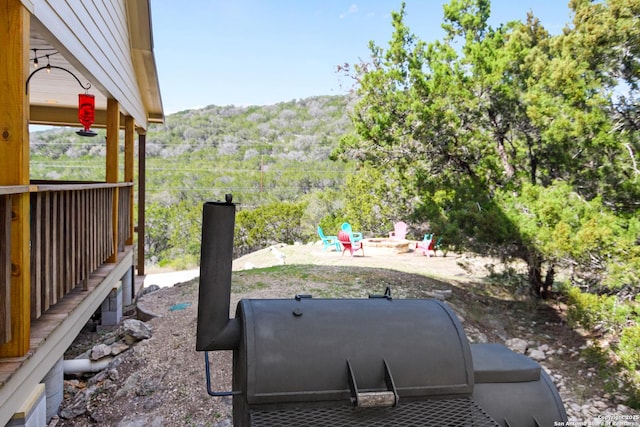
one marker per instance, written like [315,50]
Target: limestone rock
[536,354]
[119,347]
[517,344]
[135,330]
[149,289]
[79,405]
[99,351]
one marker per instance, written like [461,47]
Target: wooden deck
[55,330]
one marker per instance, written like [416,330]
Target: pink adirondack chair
[348,244]
[399,231]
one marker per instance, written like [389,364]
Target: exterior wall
[99,47]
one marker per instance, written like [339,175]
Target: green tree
[156,238]
[267,225]
[373,201]
[469,121]
[606,36]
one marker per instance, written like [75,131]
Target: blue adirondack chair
[355,236]
[329,241]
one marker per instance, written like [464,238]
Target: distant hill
[259,153]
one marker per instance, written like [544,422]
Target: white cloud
[352,9]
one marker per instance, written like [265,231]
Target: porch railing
[72,234]
[5,267]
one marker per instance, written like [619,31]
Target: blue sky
[261,52]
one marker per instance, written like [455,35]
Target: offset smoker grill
[358,362]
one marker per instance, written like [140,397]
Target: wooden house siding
[99,47]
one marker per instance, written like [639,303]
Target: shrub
[591,311]
[619,321]
[269,224]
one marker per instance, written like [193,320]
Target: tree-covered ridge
[268,157]
[211,139]
[260,154]
[263,155]
[288,128]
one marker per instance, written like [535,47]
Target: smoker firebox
[358,362]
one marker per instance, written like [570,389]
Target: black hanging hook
[48,67]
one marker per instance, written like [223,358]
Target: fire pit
[396,246]
[375,361]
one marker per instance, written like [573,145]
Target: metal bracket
[208,375]
[49,67]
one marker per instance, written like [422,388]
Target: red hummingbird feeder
[86,113]
[86,102]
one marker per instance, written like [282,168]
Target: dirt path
[451,266]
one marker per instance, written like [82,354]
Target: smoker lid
[495,363]
[297,350]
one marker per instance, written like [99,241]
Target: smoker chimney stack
[215,330]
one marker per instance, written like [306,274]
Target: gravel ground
[160,381]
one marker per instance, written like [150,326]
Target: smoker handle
[208,374]
[374,399]
[387,295]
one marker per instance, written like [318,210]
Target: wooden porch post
[142,189]
[113,135]
[129,129]
[14,165]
